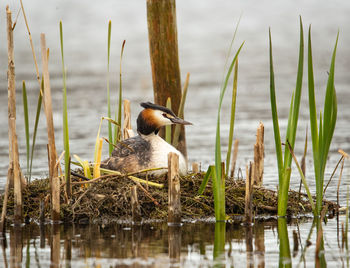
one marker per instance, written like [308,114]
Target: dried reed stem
[259,156]
[195,167]
[248,192]
[6,196]
[52,154]
[174,205]
[32,46]
[127,131]
[234,158]
[135,205]
[13,145]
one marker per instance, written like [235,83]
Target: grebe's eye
[165,115]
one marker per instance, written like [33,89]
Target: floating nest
[108,199]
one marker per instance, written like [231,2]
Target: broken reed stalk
[234,158]
[195,167]
[13,145]
[303,163]
[163,46]
[135,205]
[174,205]
[69,182]
[259,156]
[342,160]
[127,130]
[248,193]
[53,170]
[31,45]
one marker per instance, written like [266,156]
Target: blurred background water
[205,30]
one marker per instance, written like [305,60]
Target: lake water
[205,29]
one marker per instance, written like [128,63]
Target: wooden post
[234,158]
[53,171]
[162,35]
[174,206]
[135,206]
[13,145]
[259,156]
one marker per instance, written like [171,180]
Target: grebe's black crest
[154,116]
[150,105]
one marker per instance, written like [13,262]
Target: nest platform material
[108,200]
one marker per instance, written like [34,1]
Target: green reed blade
[168,128]
[330,105]
[312,109]
[26,122]
[65,113]
[205,180]
[232,117]
[222,93]
[117,130]
[321,139]
[110,133]
[284,164]
[217,177]
[36,123]
[294,113]
[276,128]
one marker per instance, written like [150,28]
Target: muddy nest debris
[108,199]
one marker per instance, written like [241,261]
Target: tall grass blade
[118,116]
[65,113]
[26,122]
[110,133]
[36,123]
[232,118]
[168,128]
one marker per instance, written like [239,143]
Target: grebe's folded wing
[135,145]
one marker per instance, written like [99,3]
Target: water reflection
[220,244]
[285,259]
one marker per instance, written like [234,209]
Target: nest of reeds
[108,200]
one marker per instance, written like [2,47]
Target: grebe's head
[154,116]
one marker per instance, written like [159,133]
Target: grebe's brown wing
[129,155]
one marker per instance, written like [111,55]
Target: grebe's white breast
[159,154]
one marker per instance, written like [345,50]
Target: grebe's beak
[177,120]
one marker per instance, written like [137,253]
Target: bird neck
[146,127]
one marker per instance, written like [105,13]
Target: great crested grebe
[147,150]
